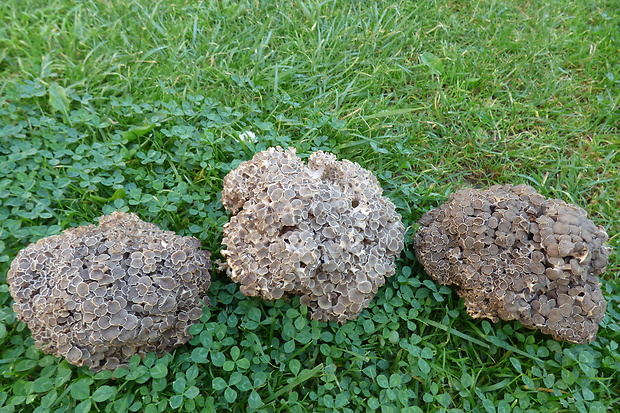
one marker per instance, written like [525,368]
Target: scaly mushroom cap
[99,295]
[321,231]
[514,254]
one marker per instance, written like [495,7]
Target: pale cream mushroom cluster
[99,295]
[322,231]
[514,254]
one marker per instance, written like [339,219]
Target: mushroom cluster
[514,254]
[99,295]
[322,231]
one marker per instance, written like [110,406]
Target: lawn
[144,106]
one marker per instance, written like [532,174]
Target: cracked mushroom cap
[99,295]
[514,254]
[322,231]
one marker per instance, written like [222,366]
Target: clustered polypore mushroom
[514,254]
[322,231]
[99,295]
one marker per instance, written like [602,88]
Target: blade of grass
[303,376]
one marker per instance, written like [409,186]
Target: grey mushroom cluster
[97,295]
[514,254]
[322,231]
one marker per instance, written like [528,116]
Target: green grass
[138,105]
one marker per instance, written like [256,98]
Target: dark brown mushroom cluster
[514,254]
[322,231]
[99,295]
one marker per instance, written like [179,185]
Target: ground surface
[139,106]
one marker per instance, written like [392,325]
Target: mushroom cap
[322,231]
[97,295]
[513,254]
